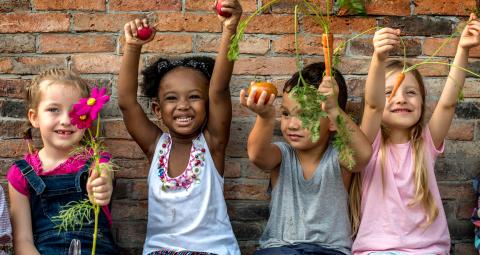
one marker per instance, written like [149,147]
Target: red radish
[219,10]
[144,33]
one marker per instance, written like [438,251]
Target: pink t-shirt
[388,223]
[70,166]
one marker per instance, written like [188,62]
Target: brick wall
[39,34]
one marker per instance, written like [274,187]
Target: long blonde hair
[423,195]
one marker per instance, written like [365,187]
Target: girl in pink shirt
[43,182]
[401,210]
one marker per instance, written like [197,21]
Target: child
[186,208]
[44,181]
[309,206]
[401,208]
[5,227]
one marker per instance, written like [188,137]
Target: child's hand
[131,32]
[100,188]
[232,7]
[329,88]
[261,108]
[384,41]
[471,34]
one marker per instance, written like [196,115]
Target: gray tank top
[308,211]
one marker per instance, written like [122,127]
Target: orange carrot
[400,78]
[327,44]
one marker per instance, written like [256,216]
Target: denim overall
[47,195]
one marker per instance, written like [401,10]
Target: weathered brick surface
[85,35]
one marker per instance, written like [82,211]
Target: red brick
[444,7]
[13,148]
[21,43]
[131,169]
[253,172]
[459,191]
[31,65]
[69,43]
[265,66]
[251,44]
[465,248]
[288,7]
[310,45]
[102,22]
[34,22]
[134,189]
[364,47]
[431,45]
[355,85]
[461,131]
[93,5]
[6,65]
[246,189]
[343,25]
[124,149]
[115,129]
[130,233]
[135,5]
[129,210]
[167,44]
[347,65]
[471,88]
[389,7]
[14,5]
[195,5]
[96,63]
[431,70]
[464,209]
[13,128]
[271,24]
[233,168]
[12,88]
[201,23]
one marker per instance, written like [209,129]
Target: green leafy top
[351,6]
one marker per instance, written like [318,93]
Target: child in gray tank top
[309,210]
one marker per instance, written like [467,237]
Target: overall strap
[31,176]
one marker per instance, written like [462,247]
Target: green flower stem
[96,207]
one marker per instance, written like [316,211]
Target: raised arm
[357,142]
[384,41]
[143,131]
[21,223]
[261,151]
[217,130]
[445,109]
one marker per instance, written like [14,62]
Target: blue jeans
[299,249]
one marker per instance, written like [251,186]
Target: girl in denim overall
[44,181]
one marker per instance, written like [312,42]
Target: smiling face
[183,98]
[405,109]
[292,130]
[51,116]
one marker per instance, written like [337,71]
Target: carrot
[400,78]
[327,44]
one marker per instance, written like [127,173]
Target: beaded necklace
[192,172]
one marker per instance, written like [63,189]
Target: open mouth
[401,110]
[183,121]
[64,132]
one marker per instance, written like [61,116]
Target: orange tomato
[262,86]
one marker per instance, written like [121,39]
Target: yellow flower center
[91,101]
[83,117]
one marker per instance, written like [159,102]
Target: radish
[144,33]
[219,10]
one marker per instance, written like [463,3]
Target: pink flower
[86,110]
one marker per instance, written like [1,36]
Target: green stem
[96,156]
[442,63]
[95,231]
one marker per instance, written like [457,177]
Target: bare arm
[384,41]
[217,131]
[21,223]
[143,131]
[358,142]
[260,138]
[444,111]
